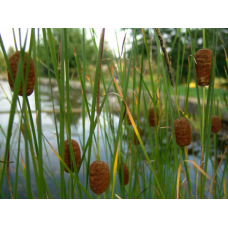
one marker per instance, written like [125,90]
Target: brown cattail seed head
[98,177]
[76,152]
[136,141]
[14,61]
[203,66]
[183,132]
[128,119]
[215,124]
[151,117]
[125,174]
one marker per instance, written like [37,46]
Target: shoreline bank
[192,107]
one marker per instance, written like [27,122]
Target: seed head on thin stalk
[166,57]
[186,139]
[98,91]
[123,44]
[168,65]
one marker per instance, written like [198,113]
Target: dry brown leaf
[179,172]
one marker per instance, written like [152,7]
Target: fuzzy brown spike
[215,124]
[166,57]
[13,62]
[183,132]
[125,174]
[76,153]
[203,67]
[151,117]
[98,177]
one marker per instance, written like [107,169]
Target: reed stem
[203,126]
[169,66]
[98,92]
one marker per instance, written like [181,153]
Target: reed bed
[145,152]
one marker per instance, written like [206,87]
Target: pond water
[49,131]
[48,128]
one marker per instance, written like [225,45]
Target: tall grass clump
[146,151]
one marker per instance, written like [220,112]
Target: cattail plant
[183,132]
[182,128]
[203,59]
[162,175]
[215,124]
[98,177]
[151,117]
[125,173]
[98,170]
[77,154]
[14,61]
[203,66]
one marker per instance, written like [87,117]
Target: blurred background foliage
[173,38]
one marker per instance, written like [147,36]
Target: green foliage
[2,63]
[173,36]
[155,166]
[3,66]
[222,42]
[74,38]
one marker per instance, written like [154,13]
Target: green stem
[203,125]
[204,42]
[185,157]
[177,104]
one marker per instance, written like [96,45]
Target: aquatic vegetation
[125,179]
[215,124]
[147,152]
[13,62]
[151,117]
[203,59]
[76,152]
[183,132]
[98,177]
